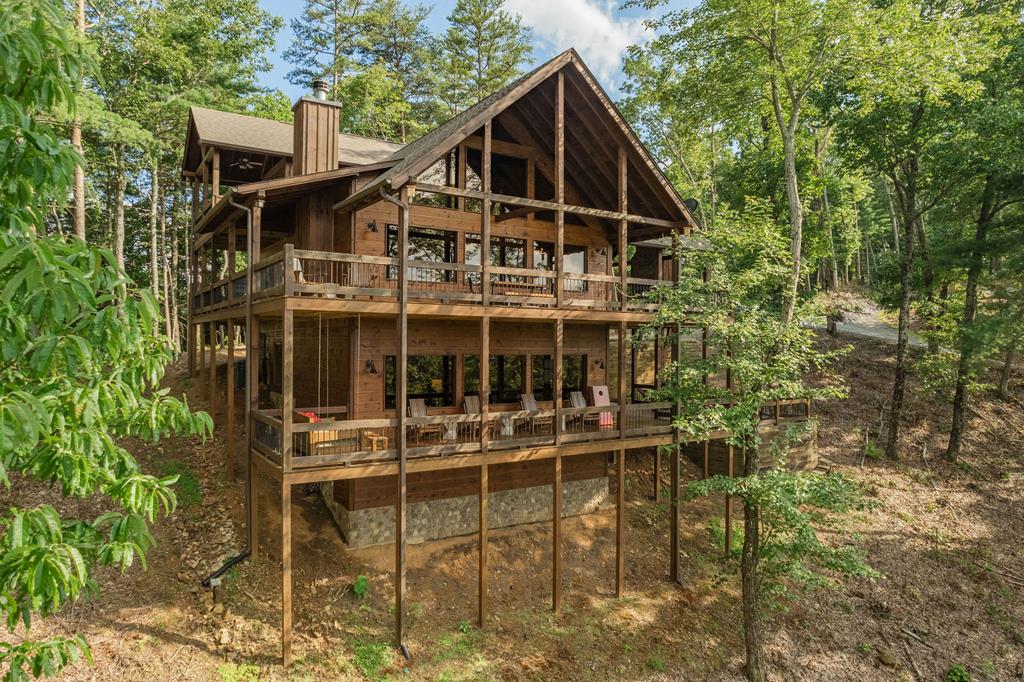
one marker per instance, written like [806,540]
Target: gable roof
[241,132]
[415,157]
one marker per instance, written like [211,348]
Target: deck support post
[707,458]
[556,536]
[212,396]
[484,526]
[674,501]
[620,465]
[229,452]
[286,573]
[728,506]
[252,383]
[401,398]
[620,522]
[200,332]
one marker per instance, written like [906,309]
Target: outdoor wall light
[372,226]
[599,363]
[370,367]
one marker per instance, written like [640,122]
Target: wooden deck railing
[298,272]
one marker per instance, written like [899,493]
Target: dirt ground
[947,539]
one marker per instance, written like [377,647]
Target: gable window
[444,172]
[430,377]
[506,377]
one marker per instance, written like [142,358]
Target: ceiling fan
[245,164]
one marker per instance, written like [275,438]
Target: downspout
[214,578]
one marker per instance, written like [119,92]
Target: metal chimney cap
[320,89]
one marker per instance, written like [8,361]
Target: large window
[506,252]
[426,244]
[431,377]
[574,375]
[506,374]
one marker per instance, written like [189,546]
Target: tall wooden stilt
[556,536]
[674,511]
[286,573]
[620,523]
[707,458]
[229,452]
[485,382]
[728,508]
[557,378]
[212,396]
[401,399]
[482,616]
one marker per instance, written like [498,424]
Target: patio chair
[577,400]
[418,408]
[529,404]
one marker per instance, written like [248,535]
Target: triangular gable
[423,152]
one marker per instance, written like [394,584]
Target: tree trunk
[796,220]
[154,216]
[928,282]
[76,142]
[892,217]
[1007,370]
[119,185]
[176,329]
[908,202]
[964,371]
[164,266]
[752,636]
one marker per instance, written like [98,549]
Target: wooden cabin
[437,333]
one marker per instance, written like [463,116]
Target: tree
[774,51]
[80,364]
[484,49]
[326,38]
[895,120]
[736,289]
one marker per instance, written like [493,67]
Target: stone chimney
[315,146]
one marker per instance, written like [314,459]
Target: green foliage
[371,657]
[794,507]
[80,364]
[958,673]
[187,487]
[361,587]
[484,48]
[656,663]
[873,451]
[233,672]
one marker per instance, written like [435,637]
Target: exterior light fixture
[372,226]
[371,367]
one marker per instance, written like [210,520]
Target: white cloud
[591,26]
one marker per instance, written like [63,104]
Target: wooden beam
[484,526]
[401,399]
[560,187]
[286,573]
[287,385]
[252,368]
[674,511]
[485,217]
[485,382]
[620,523]
[212,396]
[556,536]
[728,507]
[557,378]
[545,205]
[215,180]
[229,451]
[257,224]
[623,228]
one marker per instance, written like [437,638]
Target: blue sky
[599,30]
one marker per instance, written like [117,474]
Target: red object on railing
[311,416]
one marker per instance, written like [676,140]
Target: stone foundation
[437,519]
